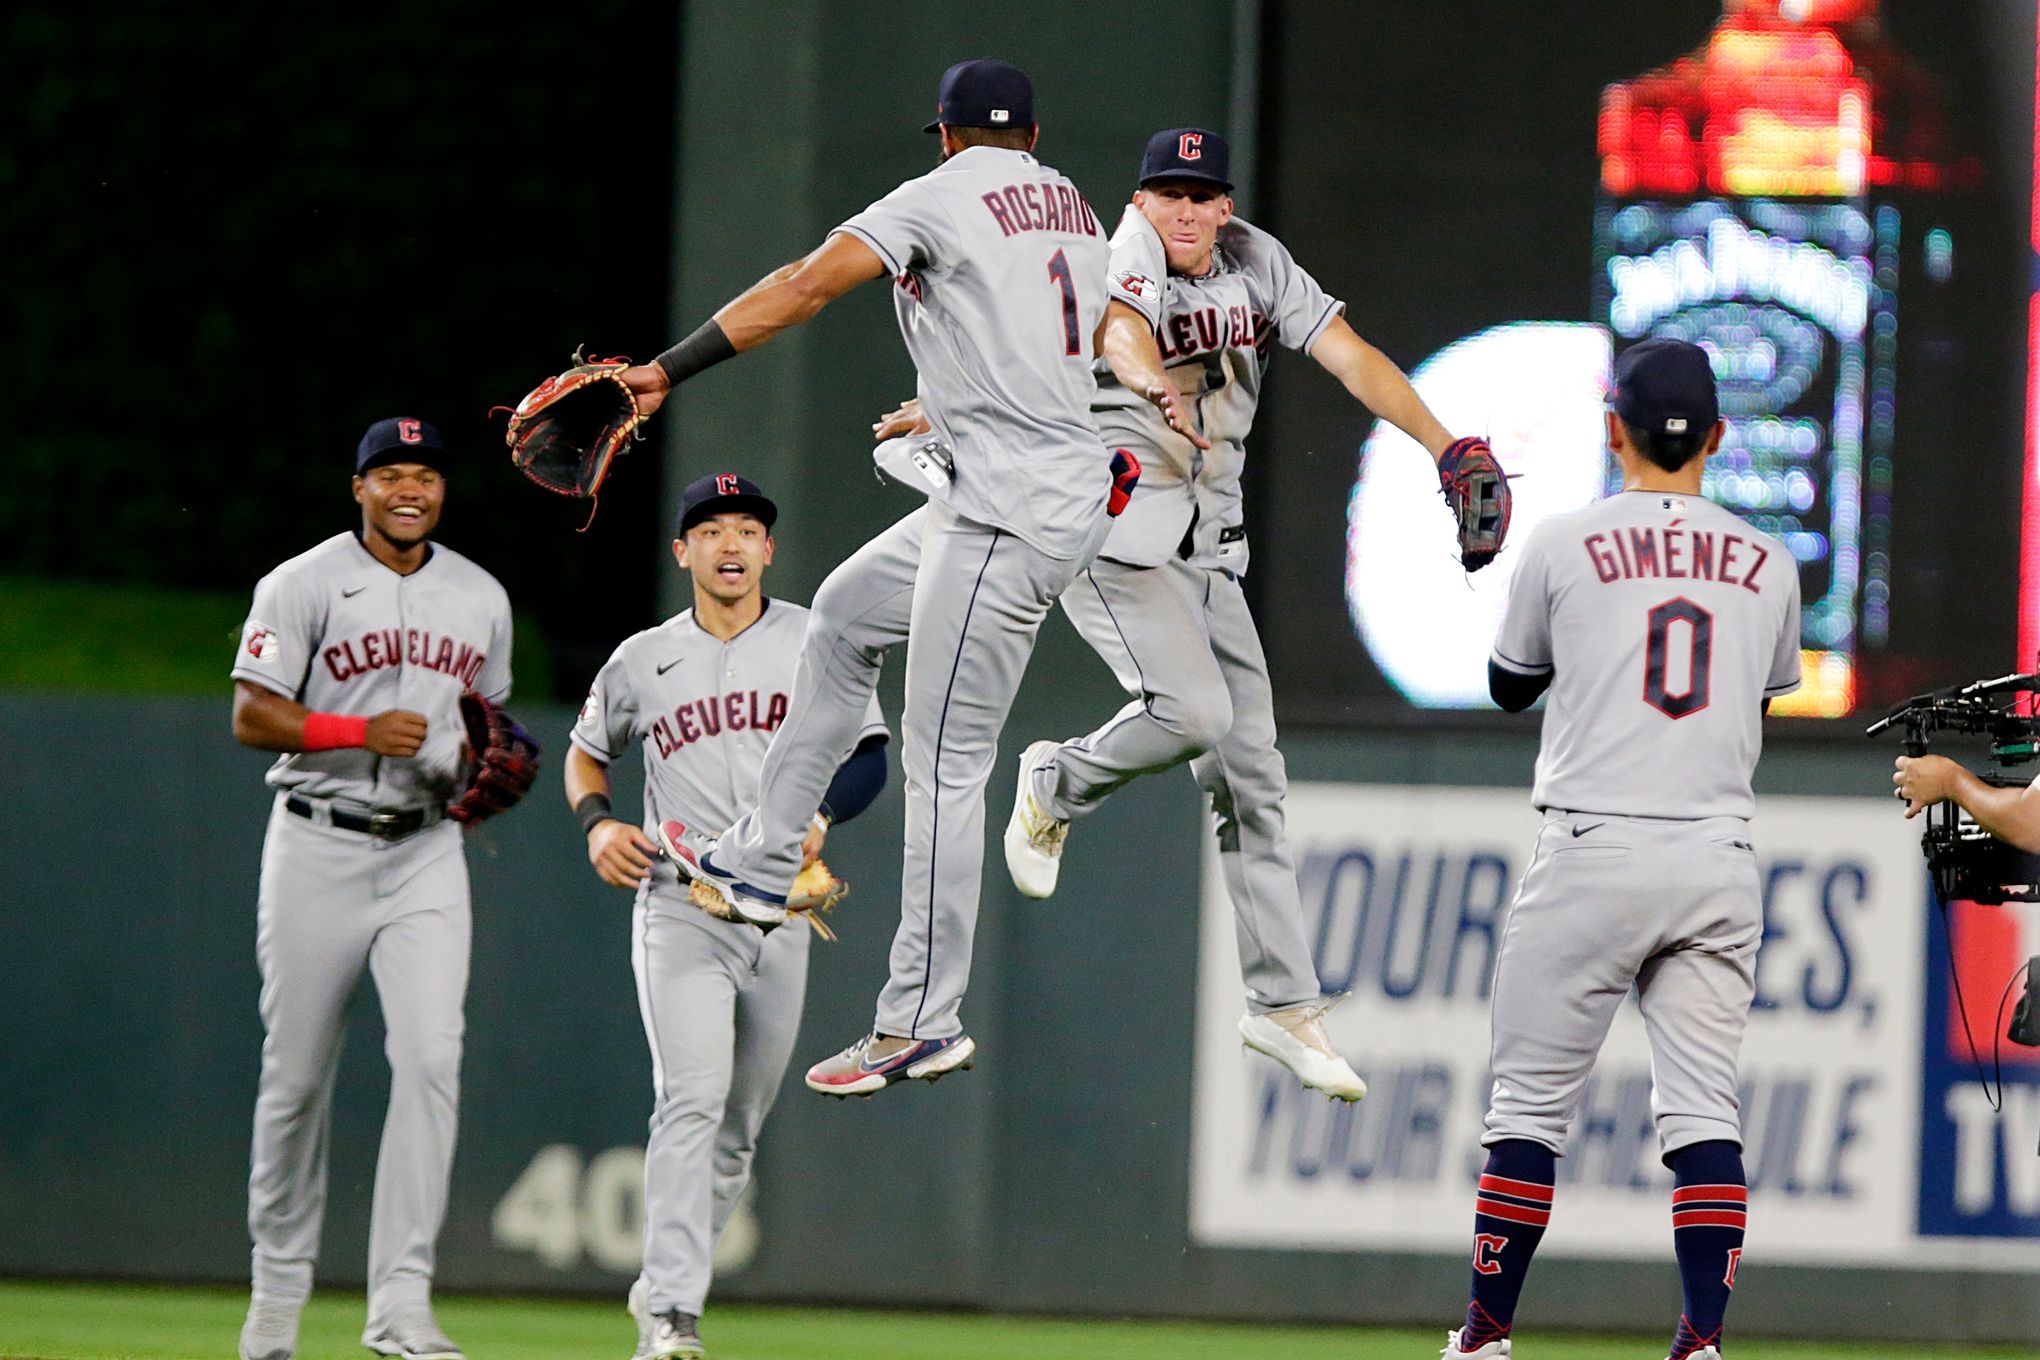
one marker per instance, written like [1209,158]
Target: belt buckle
[383,825]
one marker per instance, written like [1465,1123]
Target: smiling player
[351,665]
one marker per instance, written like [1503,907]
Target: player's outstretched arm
[267,721]
[1126,342]
[1373,378]
[619,852]
[2009,814]
[787,296]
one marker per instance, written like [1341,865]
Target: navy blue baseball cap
[1187,153]
[400,439]
[1666,387]
[984,93]
[723,493]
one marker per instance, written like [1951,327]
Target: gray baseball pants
[332,903]
[721,1004]
[968,600]
[1670,908]
[1181,641]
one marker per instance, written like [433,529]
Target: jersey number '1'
[1059,271]
[1699,662]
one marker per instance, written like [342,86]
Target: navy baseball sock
[1709,1206]
[1508,1222]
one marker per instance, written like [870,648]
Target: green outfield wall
[1054,1177]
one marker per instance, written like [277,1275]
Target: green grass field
[101,1322]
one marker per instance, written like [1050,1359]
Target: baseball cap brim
[426,455]
[759,508]
[1204,175]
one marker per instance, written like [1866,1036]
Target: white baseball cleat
[675,1336]
[270,1333]
[639,1305]
[412,1336]
[1493,1350]
[1704,1353]
[1034,840]
[1296,1038]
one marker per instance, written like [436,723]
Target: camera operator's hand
[1924,781]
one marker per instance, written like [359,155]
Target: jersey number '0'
[1699,660]
[1059,271]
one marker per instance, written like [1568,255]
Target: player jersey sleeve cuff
[269,682]
[1509,663]
[1148,312]
[878,730]
[590,747]
[1337,308]
[1773,691]
[886,257]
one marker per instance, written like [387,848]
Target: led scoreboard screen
[1808,200]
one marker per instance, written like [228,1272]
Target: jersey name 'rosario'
[1665,622]
[999,271]
[1216,333]
[703,711]
[339,632]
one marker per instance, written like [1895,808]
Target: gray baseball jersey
[721,1002]
[339,632]
[1000,269]
[704,711]
[1215,333]
[1665,620]
[1176,630]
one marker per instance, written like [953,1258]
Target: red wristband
[334,732]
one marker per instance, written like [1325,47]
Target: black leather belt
[388,826]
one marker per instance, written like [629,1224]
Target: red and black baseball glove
[1478,494]
[502,761]
[567,430]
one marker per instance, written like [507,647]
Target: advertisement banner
[1406,891]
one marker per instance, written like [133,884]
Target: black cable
[1997,1102]
[1997,1040]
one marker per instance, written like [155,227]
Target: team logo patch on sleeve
[260,643]
[589,710]
[1136,284]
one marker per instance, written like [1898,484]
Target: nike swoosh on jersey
[671,664]
[1580,831]
[350,594]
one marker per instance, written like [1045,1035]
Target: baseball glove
[502,761]
[815,890]
[1478,495]
[567,429]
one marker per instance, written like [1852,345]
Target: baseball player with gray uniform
[1163,604]
[999,269]
[1663,626]
[351,664]
[701,695]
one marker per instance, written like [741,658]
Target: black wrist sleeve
[592,809]
[705,348]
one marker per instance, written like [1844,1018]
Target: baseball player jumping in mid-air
[352,665]
[701,695]
[1663,626]
[999,269]
[1162,603]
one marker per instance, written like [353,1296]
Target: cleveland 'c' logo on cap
[725,484]
[1189,146]
[407,430]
